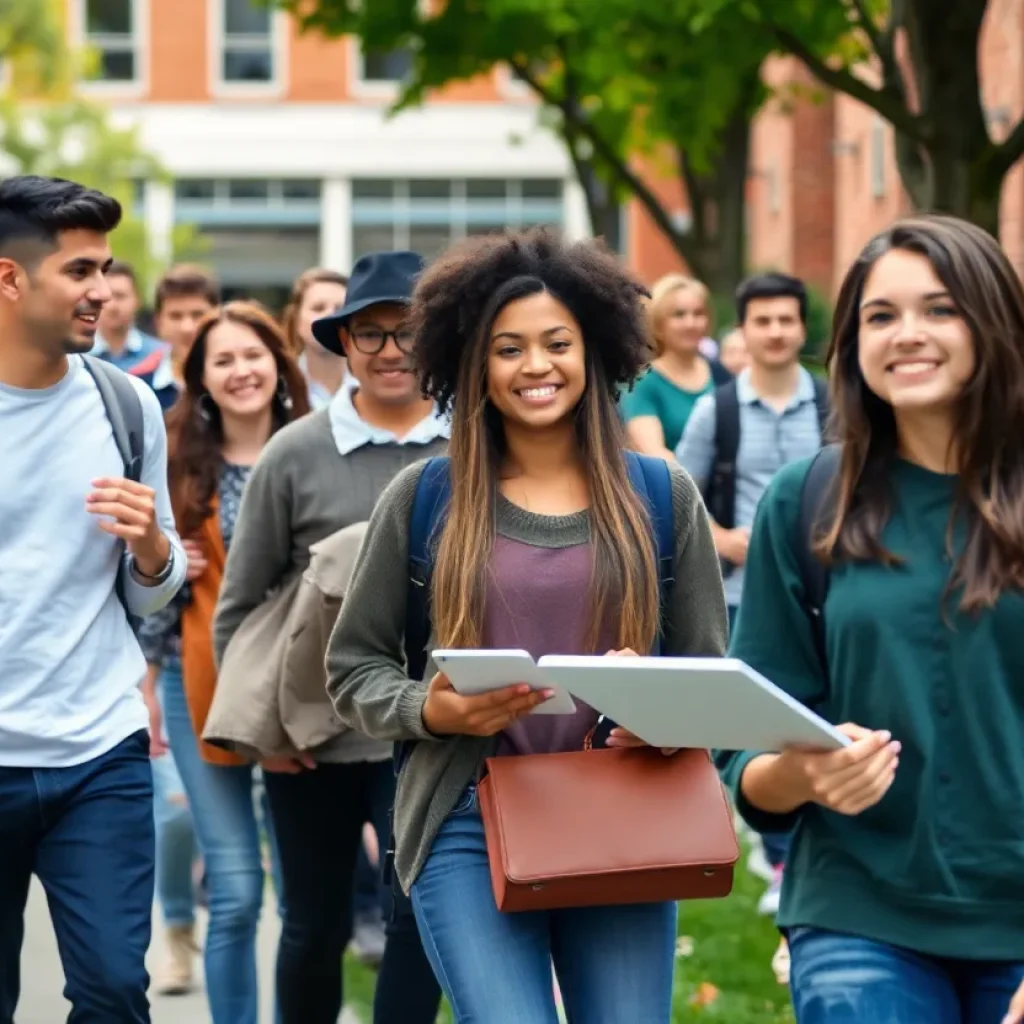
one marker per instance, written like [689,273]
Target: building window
[878,140]
[428,214]
[111,31]
[262,202]
[387,65]
[247,55]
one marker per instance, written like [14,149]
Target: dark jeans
[842,979]
[87,833]
[776,845]
[318,819]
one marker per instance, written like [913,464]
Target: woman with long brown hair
[241,386]
[903,897]
[317,293]
[545,546]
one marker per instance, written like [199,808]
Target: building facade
[282,150]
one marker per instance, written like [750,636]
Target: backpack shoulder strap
[652,482]
[821,404]
[722,484]
[817,501]
[433,492]
[124,410]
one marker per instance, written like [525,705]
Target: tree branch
[616,163]
[879,41]
[881,100]
[1010,150]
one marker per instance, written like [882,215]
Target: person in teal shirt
[660,403]
[903,897]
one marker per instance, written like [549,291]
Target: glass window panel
[372,238]
[193,190]
[108,17]
[486,188]
[248,65]
[246,190]
[299,190]
[541,188]
[115,66]
[430,241]
[244,17]
[427,188]
[387,65]
[372,188]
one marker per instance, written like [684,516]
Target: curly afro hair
[462,293]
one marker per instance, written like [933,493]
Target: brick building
[281,150]
[823,176]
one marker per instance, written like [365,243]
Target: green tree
[30,33]
[618,80]
[926,56]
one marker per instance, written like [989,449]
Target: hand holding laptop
[620,737]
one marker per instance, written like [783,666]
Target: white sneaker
[768,906]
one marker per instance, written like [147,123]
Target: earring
[206,407]
[283,396]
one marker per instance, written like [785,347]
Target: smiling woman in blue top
[903,896]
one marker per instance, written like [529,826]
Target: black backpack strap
[124,410]
[817,504]
[821,404]
[721,489]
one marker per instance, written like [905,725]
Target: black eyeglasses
[371,340]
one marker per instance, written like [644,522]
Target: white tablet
[715,703]
[473,672]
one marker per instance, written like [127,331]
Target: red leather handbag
[602,827]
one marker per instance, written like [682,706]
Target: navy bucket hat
[376,278]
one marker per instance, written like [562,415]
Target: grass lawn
[727,977]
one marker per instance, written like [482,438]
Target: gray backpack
[123,407]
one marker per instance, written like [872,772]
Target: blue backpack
[650,480]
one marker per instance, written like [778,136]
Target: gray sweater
[301,491]
[368,683]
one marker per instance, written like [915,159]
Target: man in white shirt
[80,548]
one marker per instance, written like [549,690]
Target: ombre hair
[453,311]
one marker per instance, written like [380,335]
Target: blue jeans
[175,843]
[87,833]
[614,964]
[224,813]
[842,979]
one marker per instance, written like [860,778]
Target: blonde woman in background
[657,408]
[316,293]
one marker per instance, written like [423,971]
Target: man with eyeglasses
[315,477]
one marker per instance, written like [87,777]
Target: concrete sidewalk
[42,980]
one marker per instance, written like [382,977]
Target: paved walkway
[43,981]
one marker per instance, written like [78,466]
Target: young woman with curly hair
[240,387]
[546,546]
[903,896]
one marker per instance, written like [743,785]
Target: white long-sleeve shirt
[70,665]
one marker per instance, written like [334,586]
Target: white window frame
[280,30]
[358,86]
[139,86]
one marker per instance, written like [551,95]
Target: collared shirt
[319,396]
[768,441]
[351,431]
[138,348]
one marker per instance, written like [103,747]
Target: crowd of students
[149,530]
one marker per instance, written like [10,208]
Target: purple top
[537,602]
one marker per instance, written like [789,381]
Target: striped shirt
[768,441]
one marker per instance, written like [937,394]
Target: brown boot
[176,977]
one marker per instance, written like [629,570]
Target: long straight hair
[988,415]
[624,593]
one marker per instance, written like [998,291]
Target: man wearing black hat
[315,477]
